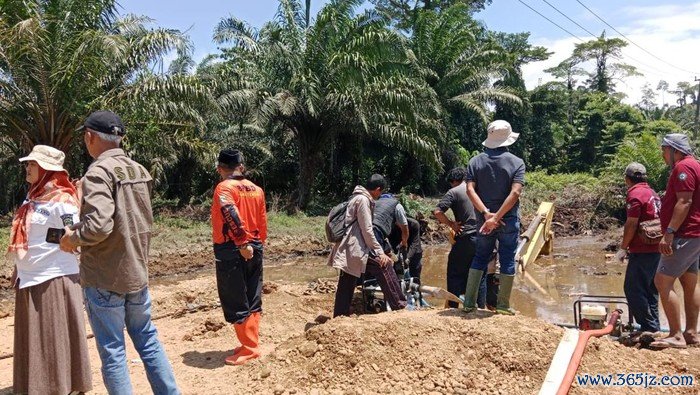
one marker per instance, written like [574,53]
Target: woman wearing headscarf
[50,346]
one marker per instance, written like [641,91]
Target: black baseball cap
[230,157]
[105,122]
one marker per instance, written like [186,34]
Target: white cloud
[667,31]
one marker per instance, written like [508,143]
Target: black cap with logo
[104,122]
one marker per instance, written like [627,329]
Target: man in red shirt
[680,247]
[643,204]
[239,230]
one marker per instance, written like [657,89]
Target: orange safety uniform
[238,214]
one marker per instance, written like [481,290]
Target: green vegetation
[4,238]
[319,102]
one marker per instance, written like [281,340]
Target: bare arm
[680,212]
[443,219]
[630,230]
[479,206]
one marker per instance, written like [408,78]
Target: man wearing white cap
[495,179]
[680,246]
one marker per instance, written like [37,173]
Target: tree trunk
[309,162]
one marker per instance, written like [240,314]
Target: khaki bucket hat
[48,158]
[500,134]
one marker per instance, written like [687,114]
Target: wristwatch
[670,230]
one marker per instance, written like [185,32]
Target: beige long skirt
[51,354]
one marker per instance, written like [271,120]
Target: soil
[425,352]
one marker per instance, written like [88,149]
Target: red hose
[581,347]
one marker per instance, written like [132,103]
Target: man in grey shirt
[464,227]
[495,179]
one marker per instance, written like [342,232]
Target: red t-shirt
[642,203]
[685,177]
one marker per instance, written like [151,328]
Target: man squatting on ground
[239,229]
[680,246]
[462,252]
[414,253]
[643,204]
[114,235]
[359,251]
[495,179]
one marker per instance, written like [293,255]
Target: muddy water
[577,267]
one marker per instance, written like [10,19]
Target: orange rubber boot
[248,335]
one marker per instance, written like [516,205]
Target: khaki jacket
[114,231]
[351,253]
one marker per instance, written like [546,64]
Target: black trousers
[239,283]
[640,291]
[459,261]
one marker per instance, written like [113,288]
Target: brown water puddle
[577,267]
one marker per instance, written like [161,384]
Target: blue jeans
[507,237]
[109,313]
[640,291]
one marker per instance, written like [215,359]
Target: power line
[632,42]
[550,21]
[651,69]
[567,17]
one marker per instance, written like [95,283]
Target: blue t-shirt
[494,172]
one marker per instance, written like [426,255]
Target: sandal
[665,343]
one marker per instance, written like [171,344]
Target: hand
[65,244]
[490,225]
[384,260]
[456,227]
[246,252]
[666,244]
[620,255]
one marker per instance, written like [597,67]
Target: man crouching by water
[359,250]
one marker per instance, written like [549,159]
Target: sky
[667,31]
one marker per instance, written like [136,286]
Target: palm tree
[340,75]
[459,61]
[462,64]
[60,60]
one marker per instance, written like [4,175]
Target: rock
[265,373]
[375,367]
[308,349]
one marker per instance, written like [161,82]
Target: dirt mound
[414,352]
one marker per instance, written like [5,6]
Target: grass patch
[178,233]
[299,224]
[4,238]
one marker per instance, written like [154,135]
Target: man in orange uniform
[239,222]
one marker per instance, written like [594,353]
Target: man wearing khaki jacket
[114,234]
[359,250]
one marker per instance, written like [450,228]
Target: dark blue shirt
[494,172]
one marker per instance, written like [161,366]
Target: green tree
[342,74]
[606,54]
[61,59]
[568,70]
[405,13]
[460,62]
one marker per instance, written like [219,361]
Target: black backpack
[335,223]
